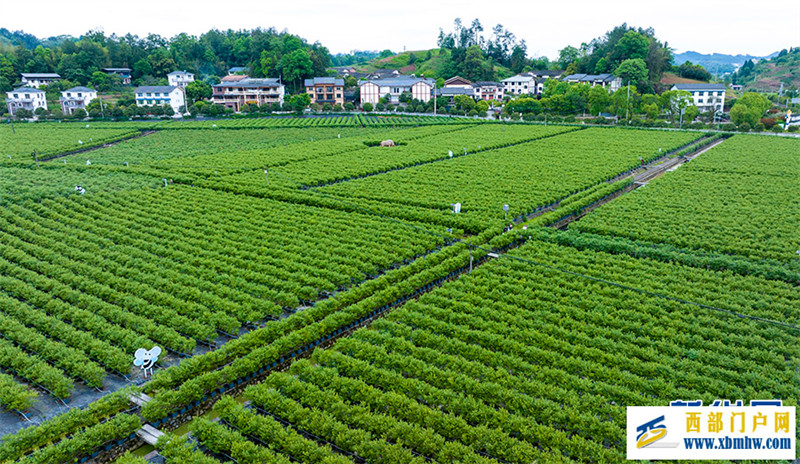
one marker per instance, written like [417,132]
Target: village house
[157,95]
[325,90]
[488,91]
[37,80]
[76,97]
[25,98]
[123,73]
[520,84]
[706,97]
[420,88]
[235,95]
[606,80]
[180,78]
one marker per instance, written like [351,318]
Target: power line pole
[628,102]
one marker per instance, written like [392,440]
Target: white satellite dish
[88,162]
[450,153]
[145,359]
[80,142]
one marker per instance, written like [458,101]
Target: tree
[23,113]
[482,107]
[141,68]
[694,71]
[367,107]
[598,100]
[518,59]
[79,113]
[749,108]
[674,102]
[475,66]
[101,81]
[632,45]
[633,71]
[567,56]
[198,91]
[298,103]
[625,101]
[296,65]
[650,110]
[464,103]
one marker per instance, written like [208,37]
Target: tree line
[264,52]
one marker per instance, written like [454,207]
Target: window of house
[700,100]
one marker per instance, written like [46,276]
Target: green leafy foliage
[739,198]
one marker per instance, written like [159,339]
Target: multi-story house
[123,73]
[76,97]
[180,78]
[420,88]
[235,95]
[489,91]
[520,84]
[36,80]
[707,97]
[25,98]
[155,95]
[325,90]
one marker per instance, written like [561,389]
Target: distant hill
[767,75]
[429,63]
[717,63]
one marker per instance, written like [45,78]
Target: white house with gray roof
[76,97]
[180,78]
[36,80]
[608,81]
[25,98]
[157,95]
[706,97]
[373,90]
[519,85]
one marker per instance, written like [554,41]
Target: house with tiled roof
[325,90]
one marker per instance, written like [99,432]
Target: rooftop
[176,73]
[400,81]
[41,75]
[605,77]
[250,83]
[714,87]
[121,70]
[80,89]
[26,90]
[155,88]
[519,78]
[323,81]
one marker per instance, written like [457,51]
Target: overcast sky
[730,26]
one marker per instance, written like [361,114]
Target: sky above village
[731,26]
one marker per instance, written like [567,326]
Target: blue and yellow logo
[650,432]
